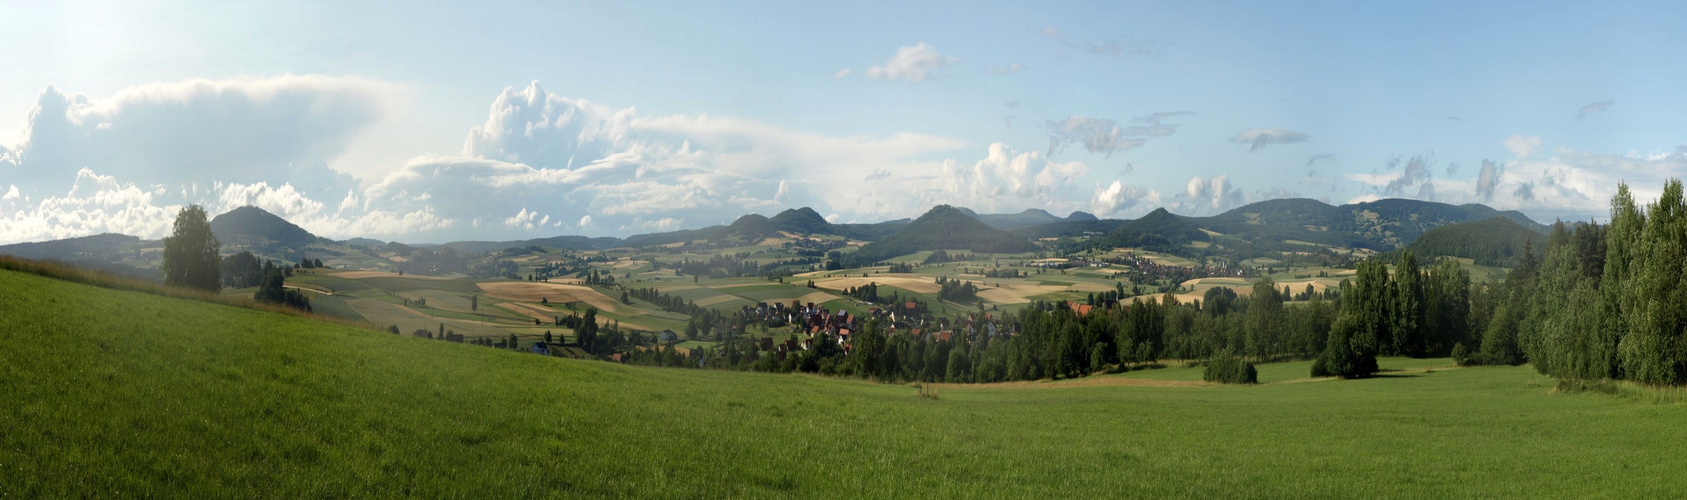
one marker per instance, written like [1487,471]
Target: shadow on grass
[1131,368]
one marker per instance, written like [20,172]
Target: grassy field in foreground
[108,392]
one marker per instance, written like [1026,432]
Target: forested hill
[253,227]
[943,228]
[1496,241]
[1160,230]
[1381,225]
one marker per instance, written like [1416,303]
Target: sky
[512,120]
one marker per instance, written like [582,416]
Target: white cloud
[1257,138]
[94,204]
[1569,184]
[842,73]
[1522,147]
[1005,70]
[1004,180]
[577,158]
[243,130]
[911,64]
[11,194]
[522,220]
[662,224]
[1100,135]
[1119,199]
[1211,195]
[283,201]
[585,220]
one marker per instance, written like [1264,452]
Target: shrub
[1229,368]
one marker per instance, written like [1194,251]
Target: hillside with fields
[224,401]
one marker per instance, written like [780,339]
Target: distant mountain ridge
[1382,225]
[70,248]
[1030,217]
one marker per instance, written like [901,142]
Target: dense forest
[1492,242]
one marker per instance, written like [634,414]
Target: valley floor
[105,392]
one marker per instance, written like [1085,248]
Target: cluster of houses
[815,322]
[1152,269]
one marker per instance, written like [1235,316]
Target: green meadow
[116,393]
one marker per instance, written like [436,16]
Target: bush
[1461,354]
[1229,368]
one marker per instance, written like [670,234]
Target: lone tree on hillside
[190,252]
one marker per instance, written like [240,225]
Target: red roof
[910,305]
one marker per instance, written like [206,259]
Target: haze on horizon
[534,120]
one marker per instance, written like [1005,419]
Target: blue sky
[411,122]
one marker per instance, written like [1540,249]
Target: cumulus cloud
[662,224]
[1101,135]
[1120,199]
[1257,138]
[94,204]
[244,130]
[11,194]
[524,220]
[585,220]
[159,146]
[284,201]
[576,157]
[914,63]
[1597,107]
[1003,180]
[1207,195]
[1005,70]
[1522,147]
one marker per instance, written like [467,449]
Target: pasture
[112,392]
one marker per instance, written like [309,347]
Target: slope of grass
[114,393]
